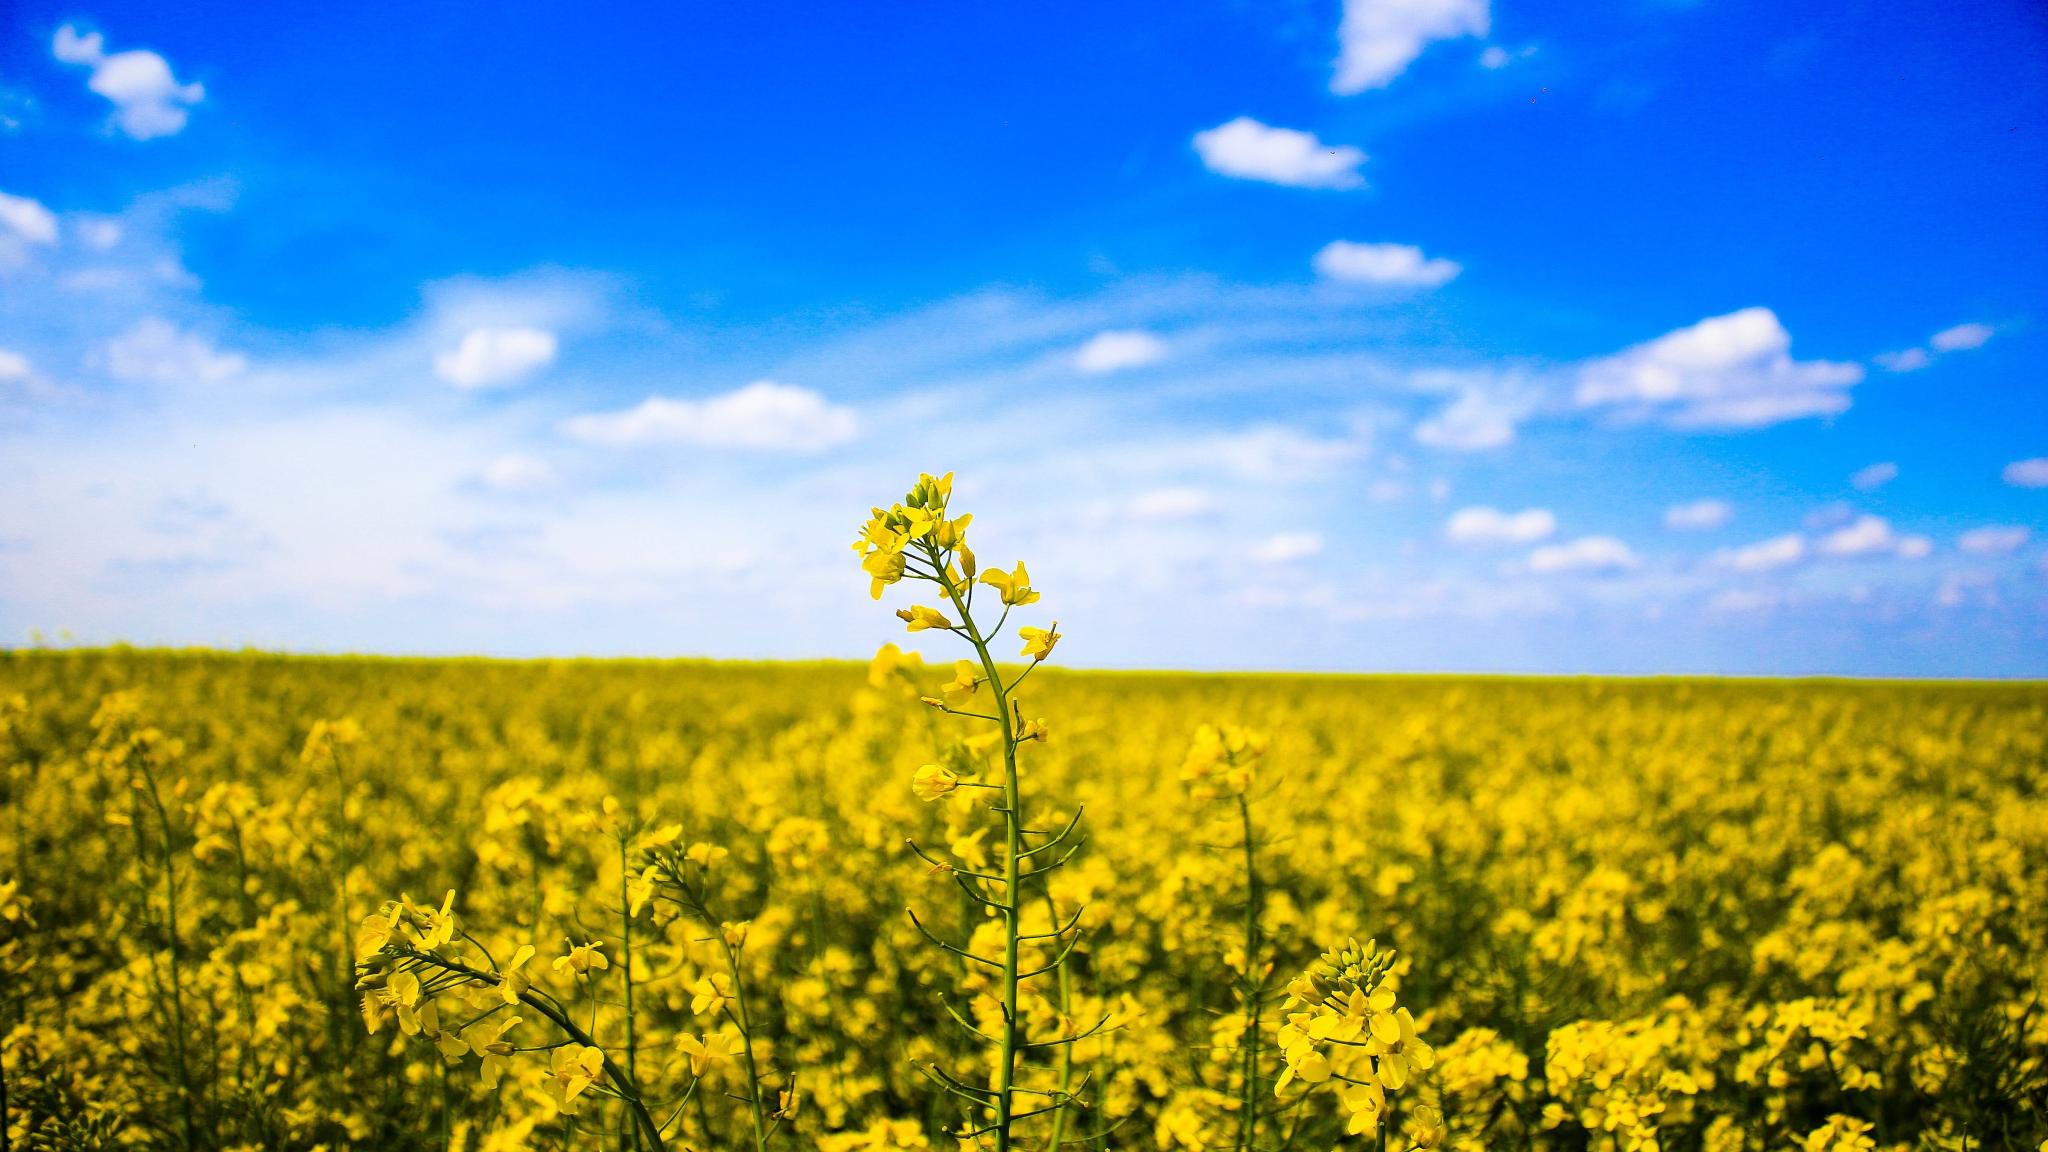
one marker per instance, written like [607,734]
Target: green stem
[163,820]
[1066,1072]
[739,999]
[626,961]
[346,862]
[1013,853]
[1248,1113]
[622,1080]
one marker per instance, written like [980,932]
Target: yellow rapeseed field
[974,901]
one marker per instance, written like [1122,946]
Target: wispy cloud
[1733,371]
[493,357]
[1393,265]
[762,415]
[1482,525]
[27,220]
[1764,555]
[1378,39]
[2031,473]
[1112,351]
[1248,150]
[1994,540]
[1960,338]
[1586,554]
[148,100]
[1286,547]
[155,351]
[1871,536]
[1699,515]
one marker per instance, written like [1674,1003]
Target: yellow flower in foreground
[375,933]
[1366,1102]
[436,928]
[883,569]
[515,979]
[1038,642]
[960,689]
[709,995]
[640,893]
[704,1051]
[918,618]
[573,1068]
[934,782]
[582,958]
[487,1039]
[1014,586]
[930,492]
[953,533]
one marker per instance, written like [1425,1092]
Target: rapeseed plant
[918,539]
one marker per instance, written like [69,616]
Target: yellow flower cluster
[1222,759]
[1345,1027]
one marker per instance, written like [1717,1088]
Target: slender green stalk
[623,1083]
[163,820]
[4,1142]
[1013,855]
[346,862]
[1248,1112]
[1066,1066]
[739,999]
[626,961]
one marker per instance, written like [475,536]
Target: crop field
[1631,914]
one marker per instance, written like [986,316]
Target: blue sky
[1430,334]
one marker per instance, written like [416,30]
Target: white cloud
[2027,473]
[1249,150]
[1481,525]
[99,233]
[1874,476]
[1993,540]
[489,357]
[156,352]
[1960,338]
[1475,421]
[1907,360]
[1764,555]
[1496,57]
[1972,588]
[1172,504]
[1872,536]
[28,219]
[1742,600]
[1378,39]
[1732,371]
[763,414]
[1699,515]
[13,365]
[1271,452]
[1287,546]
[1586,554]
[518,472]
[148,100]
[1402,265]
[1111,351]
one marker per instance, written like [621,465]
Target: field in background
[1730,914]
